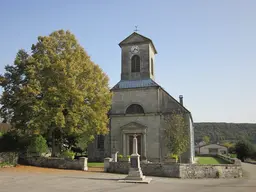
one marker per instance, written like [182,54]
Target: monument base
[145,180]
[135,174]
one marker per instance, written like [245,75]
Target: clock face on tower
[135,49]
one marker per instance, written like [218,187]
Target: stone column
[135,173]
[124,144]
[145,145]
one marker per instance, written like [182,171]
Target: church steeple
[138,56]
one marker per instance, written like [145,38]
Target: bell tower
[138,58]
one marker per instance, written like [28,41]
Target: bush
[120,156]
[38,145]
[218,173]
[68,154]
[174,156]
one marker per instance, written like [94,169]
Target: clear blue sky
[206,49]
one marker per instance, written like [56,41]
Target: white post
[135,145]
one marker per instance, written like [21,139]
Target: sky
[206,49]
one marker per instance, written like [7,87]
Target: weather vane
[136,28]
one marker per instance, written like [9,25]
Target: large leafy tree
[56,90]
[176,134]
[244,149]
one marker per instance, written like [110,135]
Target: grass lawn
[95,164]
[211,161]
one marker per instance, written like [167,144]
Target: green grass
[5,164]
[233,155]
[211,161]
[95,164]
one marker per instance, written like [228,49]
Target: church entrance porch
[127,135]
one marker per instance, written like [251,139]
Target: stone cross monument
[135,174]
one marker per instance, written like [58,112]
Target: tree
[230,146]
[206,139]
[176,134]
[57,90]
[244,149]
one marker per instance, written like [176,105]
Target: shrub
[5,164]
[120,156]
[174,156]
[38,145]
[244,149]
[128,156]
[68,154]
[218,173]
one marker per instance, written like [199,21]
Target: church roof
[126,84]
[136,38]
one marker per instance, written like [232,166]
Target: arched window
[134,109]
[135,63]
[152,65]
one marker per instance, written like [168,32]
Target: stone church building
[138,107]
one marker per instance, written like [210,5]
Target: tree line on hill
[221,132]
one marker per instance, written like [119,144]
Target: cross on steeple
[136,28]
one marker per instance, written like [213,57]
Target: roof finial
[136,28]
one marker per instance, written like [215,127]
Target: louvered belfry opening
[135,63]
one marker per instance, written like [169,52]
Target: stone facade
[59,163]
[139,89]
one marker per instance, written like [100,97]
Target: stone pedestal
[114,156]
[83,162]
[135,174]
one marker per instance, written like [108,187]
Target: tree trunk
[53,144]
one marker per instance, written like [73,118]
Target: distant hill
[225,131]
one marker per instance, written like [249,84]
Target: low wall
[9,157]
[229,159]
[59,163]
[175,170]
[194,171]
[152,169]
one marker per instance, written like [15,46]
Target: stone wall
[59,163]
[184,171]
[152,169]
[9,157]
[194,171]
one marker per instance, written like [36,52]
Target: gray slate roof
[126,84]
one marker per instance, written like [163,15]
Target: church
[139,105]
